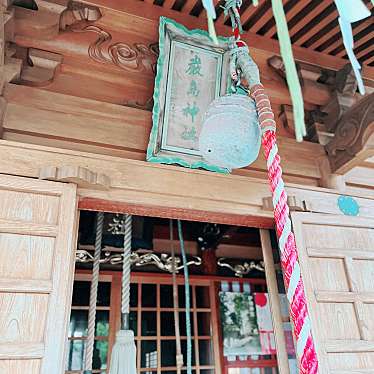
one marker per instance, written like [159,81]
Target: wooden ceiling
[312,24]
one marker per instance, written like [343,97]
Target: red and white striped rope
[289,258]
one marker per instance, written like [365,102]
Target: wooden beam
[167,191]
[167,4]
[151,13]
[370,60]
[365,51]
[188,6]
[316,26]
[43,23]
[342,98]
[339,42]
[75,174]
[336,31]
[248,13]
[354,137]
[267,16]
[38,116]
[313,13]
[289,15]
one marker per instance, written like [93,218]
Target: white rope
[93,292]
[126,266]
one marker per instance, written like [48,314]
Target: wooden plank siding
[39,117]
[142,188]
[102,107]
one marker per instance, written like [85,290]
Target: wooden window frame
[221,365]
[105,276]
[159,279]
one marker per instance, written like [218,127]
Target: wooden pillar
[209,259]
[208,241]
[2,63]
[271,281]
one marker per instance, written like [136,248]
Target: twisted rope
[231,9]
[93,292]
[126,267]
[289,259]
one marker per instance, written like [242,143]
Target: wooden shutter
[337,265]
[37,234]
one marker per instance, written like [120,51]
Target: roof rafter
[151,12]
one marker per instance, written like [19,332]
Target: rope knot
[125,336]
[231,8]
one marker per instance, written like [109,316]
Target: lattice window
[152,320]
[78,325]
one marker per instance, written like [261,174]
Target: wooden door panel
[352,363]
[19,366]
[37,208]
[37,234]
[337,237]
[331,274]
[365,267]
[15,322]
[30,259]
[337,264]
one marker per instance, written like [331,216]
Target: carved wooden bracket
[306,72]
[43,23]
[78,13]
[354,137]
[312,118]
[342,97]
[2,113]
[39,67]
[277,64]
[294,203]
[12,65]
[8,23]
[322,122]
[50,17]
[286,116]
[83,177]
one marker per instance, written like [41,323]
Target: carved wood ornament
[135,58]
[342,97]
[81,176]
[354,136]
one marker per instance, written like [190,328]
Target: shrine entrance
[231,316]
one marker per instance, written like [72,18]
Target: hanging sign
[191,72]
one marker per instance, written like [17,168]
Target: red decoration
[260,299]
[289,257]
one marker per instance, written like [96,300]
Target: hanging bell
[230,135]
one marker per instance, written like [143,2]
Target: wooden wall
[88,85]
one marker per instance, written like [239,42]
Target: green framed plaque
[191,72]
